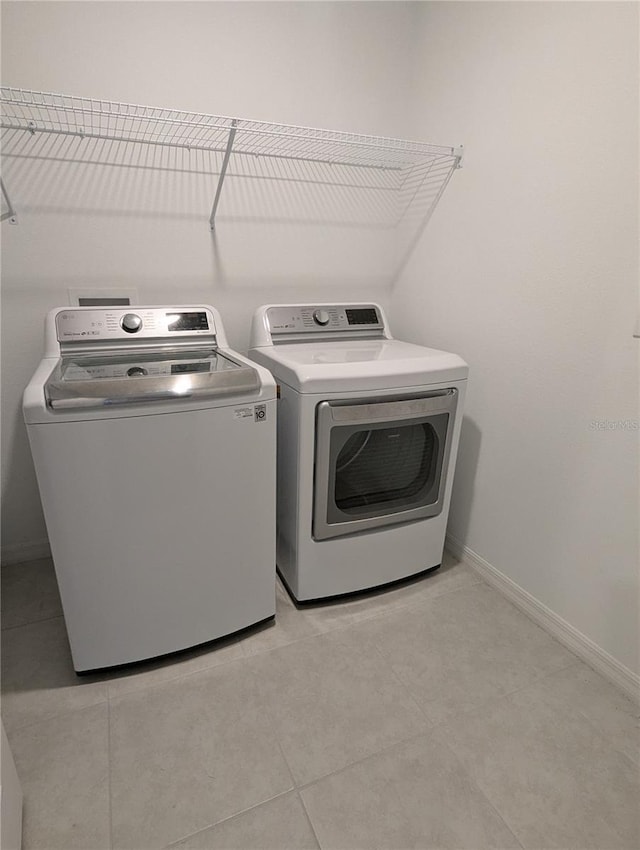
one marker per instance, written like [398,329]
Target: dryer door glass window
[387,468]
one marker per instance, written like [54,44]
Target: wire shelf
[331,157]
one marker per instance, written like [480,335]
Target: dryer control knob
[321,317]
[131,323]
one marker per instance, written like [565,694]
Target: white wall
[342,66]
[529,270]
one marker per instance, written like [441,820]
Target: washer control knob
[321,317]
[131,323]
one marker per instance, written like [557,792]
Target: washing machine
[368,430]
[154,450]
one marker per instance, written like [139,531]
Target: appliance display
[368,428]
[155,457]
[188,322]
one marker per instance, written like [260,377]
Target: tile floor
[433,715]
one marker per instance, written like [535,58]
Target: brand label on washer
[258,412]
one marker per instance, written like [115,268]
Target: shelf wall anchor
[10,213]
[223,171]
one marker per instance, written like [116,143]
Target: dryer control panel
[332,318]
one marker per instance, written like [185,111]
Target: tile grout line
[302,786]
[389,665]
[497,697]
[440,729]
[274,729]
[430,731]
[401,743]
[431,723]
[604,736]
[169,680]
[471,778]
[410,604]
[607,740]
[415,604]
[32,623]
[290,790]
[238,814]
[308,817]
[109,774]
[53,716]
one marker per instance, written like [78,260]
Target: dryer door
[381,462]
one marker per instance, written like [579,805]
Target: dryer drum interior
[386,466]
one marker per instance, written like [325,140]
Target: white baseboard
[572,638]
[21,552]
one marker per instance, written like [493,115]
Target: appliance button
[321,317]
[131,323]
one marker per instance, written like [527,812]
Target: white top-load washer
[154,449]
[368,430]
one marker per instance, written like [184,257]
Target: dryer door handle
[391,411]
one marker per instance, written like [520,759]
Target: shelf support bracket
[10,213]
[223,171]
[458,153]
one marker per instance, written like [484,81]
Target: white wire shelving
[407,172]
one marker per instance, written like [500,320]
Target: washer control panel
[307,319]
[94,325]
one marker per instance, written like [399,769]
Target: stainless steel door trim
[77,403]
[116,348]
[393,411]
[139,390]
[322,529]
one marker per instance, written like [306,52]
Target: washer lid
[138,378]
[359,365]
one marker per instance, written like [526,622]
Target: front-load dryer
[154,449]
[368,430]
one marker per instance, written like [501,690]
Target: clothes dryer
[368,430]
[154,449]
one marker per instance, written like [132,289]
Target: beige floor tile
[62,764]
[189,753]
[333,702]
[29,593]
[615,716]
[554,779]
[280,824]
[462,648]
[414,795]
[38,679]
